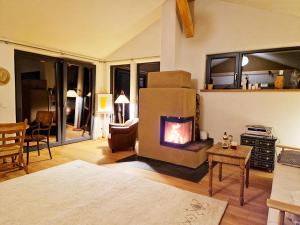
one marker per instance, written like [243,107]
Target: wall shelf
[258,90]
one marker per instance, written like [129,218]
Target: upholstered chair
[123,136]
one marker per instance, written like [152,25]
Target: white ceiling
[290,7]
[94,28]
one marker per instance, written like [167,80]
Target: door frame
[60,92]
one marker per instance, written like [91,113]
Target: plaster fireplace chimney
[167,111]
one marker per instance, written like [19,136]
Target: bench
[285,195]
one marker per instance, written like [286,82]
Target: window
[223,70]
[255,69]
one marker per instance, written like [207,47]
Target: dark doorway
[120,81]
[142,74]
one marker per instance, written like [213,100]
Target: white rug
[80,193]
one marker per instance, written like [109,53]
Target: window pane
[263,68]
[78,111]
[223,72]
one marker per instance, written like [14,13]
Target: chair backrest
[44,117]
[12,137]
[131,122]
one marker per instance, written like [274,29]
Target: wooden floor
[253,212]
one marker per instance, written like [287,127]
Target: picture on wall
[104,103]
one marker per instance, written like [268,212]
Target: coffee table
[239,157]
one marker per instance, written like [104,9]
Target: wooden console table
[239,157]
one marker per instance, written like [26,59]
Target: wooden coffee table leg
[247,173]
[210,166]
[220,171]
[242,181]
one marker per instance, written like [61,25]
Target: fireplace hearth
[176,132]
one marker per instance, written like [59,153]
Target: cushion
[36,137]
[290,158]
[130,122]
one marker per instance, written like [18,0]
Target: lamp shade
[122,98]
[245,60]
[72,94]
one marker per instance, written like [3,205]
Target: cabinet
[263,153]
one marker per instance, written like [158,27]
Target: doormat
[182,172]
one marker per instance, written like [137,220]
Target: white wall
[7,92]
[170,36]
[145,47]
[224,27]
[145,44]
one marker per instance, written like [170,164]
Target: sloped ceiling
[290,7]
[94,28]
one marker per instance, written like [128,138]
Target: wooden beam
[185,17]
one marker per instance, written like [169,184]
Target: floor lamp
[122,99]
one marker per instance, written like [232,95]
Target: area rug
[182,172]
[80,193]
[34,148]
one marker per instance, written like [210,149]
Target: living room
[179,36]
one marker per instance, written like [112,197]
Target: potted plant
[210,84]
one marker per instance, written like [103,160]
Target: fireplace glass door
[176,131]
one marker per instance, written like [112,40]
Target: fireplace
[176,131]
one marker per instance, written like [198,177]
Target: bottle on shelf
[247,82]
[279,80]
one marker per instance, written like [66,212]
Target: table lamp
[122,99]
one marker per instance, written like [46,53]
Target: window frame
[238,66]
[236,55]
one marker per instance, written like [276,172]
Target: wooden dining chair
[39,131]
[12,137]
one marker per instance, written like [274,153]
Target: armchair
[123,136]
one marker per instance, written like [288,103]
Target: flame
[178,133]
[174,135]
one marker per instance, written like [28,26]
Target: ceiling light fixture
[245,60]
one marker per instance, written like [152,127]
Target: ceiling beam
[185,17]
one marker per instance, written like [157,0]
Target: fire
[176,131]
[174,135]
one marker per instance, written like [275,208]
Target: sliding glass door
[78,101]
[61,86]
[37,89]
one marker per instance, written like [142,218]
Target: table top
[242,151]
